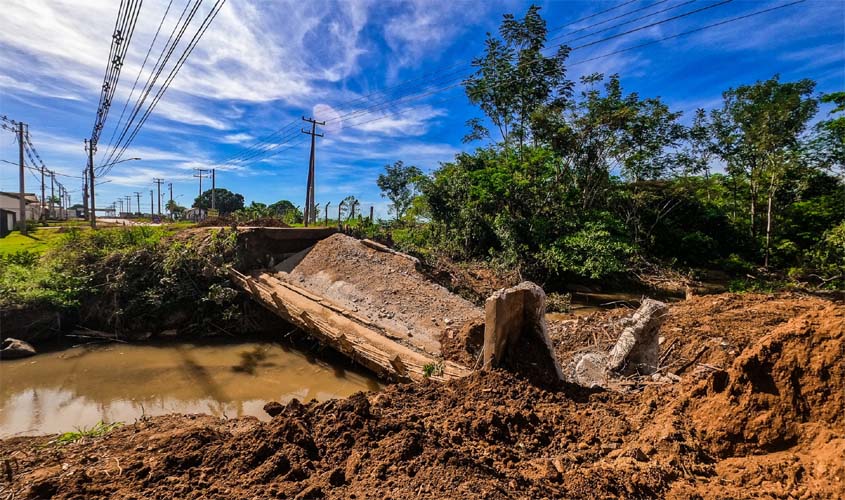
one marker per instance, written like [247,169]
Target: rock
[590,370]
[15,349]
[274,408]
[169,333]
[637,350]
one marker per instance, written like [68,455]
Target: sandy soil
[759,414]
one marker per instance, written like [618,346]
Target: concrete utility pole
[128,204]
[371,214]
[339,208]
[52,194]
[120,202]
[152,209]
[170,185]
[41,212]
[327,213]
[310,214]
[92,147]
[22,200]
[213,187]
[85,193]
[138,199]
[158,187]
[200,174]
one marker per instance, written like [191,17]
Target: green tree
[758,131]
[514,78]
[398,184]
[224,200]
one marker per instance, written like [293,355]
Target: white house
[11,202]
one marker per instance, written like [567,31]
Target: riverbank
[757,412]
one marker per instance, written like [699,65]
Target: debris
[15,349]
[637,349]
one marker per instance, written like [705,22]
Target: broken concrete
[637,350]
[515,334]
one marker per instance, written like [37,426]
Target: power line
[155,72]
[218,5]
[140,71]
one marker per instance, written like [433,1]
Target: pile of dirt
[768,424]
[383,286]
[265,222]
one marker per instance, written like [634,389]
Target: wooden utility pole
[309,189]
[22,194]
[158,187]
[152,207]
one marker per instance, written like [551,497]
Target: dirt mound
[792,376]
[383,286]
[265,222]
[768,425]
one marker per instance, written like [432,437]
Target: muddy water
[59,391]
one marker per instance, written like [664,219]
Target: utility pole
[138,199]
[200,174]
[128,204]
[152,209]
[371,214]
[309,189]
[85,193]
[327,213]
[213,188]
[158,187]
[22,200]
[41,212]
[339,207]
[120,202]
[92,147]
[52,194]
[170,185]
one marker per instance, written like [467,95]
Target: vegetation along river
[76,388]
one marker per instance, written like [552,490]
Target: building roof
[28,197]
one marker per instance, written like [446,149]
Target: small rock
[273,408]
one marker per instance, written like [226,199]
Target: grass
[99,429]
[36,241]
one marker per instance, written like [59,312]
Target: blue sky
[264,64]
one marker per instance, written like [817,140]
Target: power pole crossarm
[310,212]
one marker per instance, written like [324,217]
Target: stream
[73,388]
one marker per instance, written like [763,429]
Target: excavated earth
[758,413]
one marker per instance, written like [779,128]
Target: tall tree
[758,131]
[398,184]
[514,78]
[224,200]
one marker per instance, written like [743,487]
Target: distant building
[195,214]
[11,203]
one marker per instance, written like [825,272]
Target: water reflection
[56,392]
